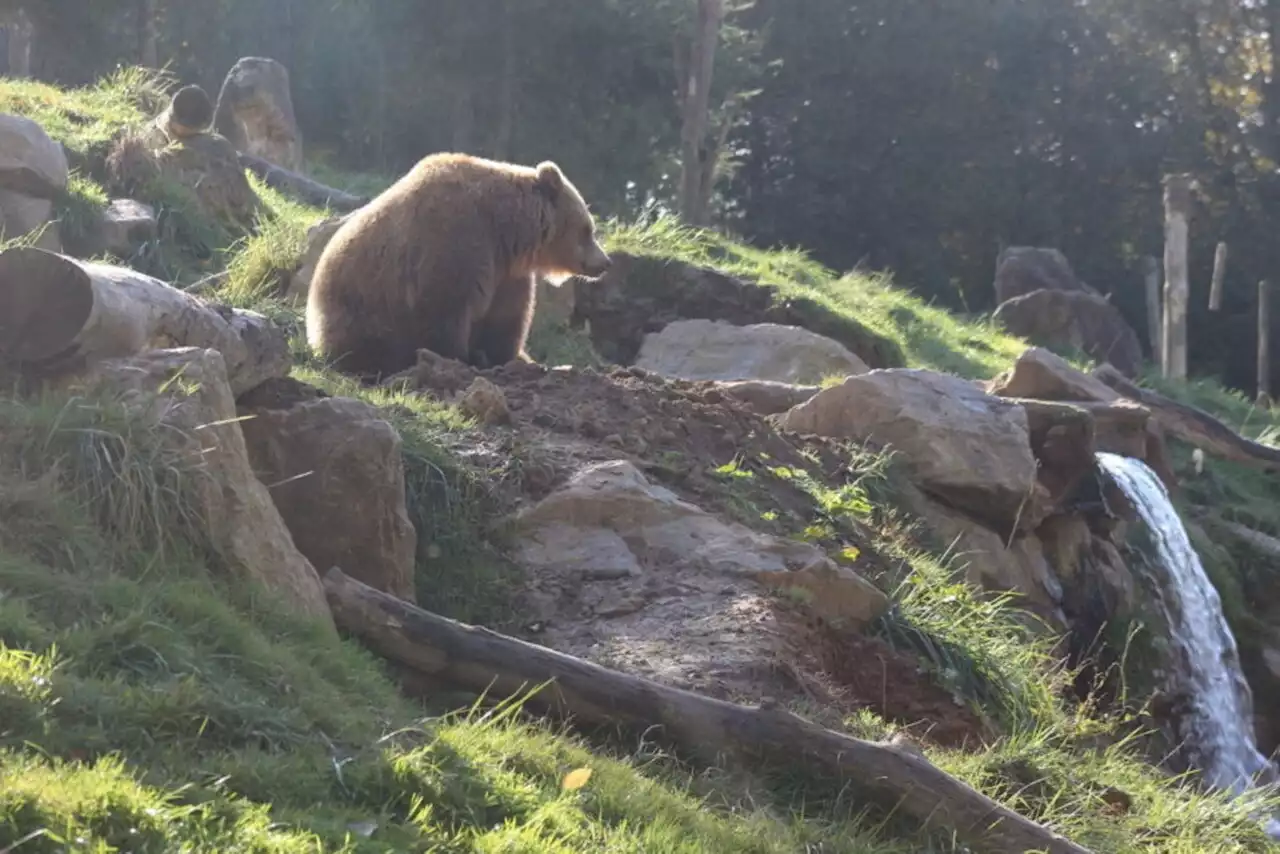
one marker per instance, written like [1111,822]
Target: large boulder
[708,350]
[1044,375]
[993,562]
[255,112]
[1121,426]
[610,524]
[174,148]
[124,226]
[334,470]
[185,393]
[1021,270]
[970,450]
[1074,319]
[318,237]
[33,172]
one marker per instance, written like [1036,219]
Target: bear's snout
[597,264]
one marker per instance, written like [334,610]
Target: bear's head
[571,248]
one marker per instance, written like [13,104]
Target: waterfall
[1218,725]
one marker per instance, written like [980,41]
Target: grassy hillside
[148,705]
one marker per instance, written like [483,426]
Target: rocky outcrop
[1121,426]
[622,572]
[255,112]
[1021,270]
[33,172]
[988,561]
[125,225]
[205,164]
[185,393]
[969,449]
[610,524]
[1074,320]
[708,350]
[1043,375]
[334,471]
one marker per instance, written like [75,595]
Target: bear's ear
[550,180]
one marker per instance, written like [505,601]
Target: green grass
[88,120]
[148,704]
[924,335]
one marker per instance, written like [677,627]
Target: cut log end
[45,300]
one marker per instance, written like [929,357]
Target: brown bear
[445,260]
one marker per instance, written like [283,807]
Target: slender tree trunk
[148,35]
[21,34]
[695,98]
[1271,82]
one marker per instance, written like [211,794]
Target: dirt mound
[730,639]
[680,433]
[640,295]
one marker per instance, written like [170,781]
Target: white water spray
[1218,727]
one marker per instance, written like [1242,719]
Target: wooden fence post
[1151,275]
[1219,273]
[1177,212]
[1264,344]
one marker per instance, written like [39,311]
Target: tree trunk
[59,315]
[312,192]
[695,99]
[148,35]
[21,34]
[486,662]
[1270,94]
[1194,426]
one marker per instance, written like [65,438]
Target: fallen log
[486,662]
[300,186]
[59,315]
[1193,425]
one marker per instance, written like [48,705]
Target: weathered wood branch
[484,661]
[300,186]
[59,315]
[1193,425]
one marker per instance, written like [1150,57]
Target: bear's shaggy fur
[445,260]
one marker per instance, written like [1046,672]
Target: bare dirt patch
[724,637]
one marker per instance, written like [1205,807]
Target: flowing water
[1218,726]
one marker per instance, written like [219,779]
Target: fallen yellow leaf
[575,780]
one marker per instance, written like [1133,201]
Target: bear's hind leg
[449,334]
[501,333]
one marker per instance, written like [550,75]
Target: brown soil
[677,432]
[853,671]
[727,639]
